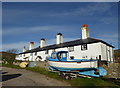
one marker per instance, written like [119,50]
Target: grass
[94,82]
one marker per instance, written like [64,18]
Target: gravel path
[22,77]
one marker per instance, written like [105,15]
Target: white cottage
[85,48]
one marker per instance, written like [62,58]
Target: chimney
[24,49]
[85,31]
[31,45]
[42,43]
[59,38]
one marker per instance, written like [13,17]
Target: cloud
[87,10]
[110,36]
[17,45]
[109,20]
[92,9]
[53,41]
[20,45]
[24,30]
[111,39]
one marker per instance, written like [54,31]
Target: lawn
[94,82]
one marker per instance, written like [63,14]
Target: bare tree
[12,51]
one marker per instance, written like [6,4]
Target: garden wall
[113,70]
[42,64]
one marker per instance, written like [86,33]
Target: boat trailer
[93,73]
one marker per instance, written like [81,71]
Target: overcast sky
[30,21]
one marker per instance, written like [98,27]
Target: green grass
[94,82]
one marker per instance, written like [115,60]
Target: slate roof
[67,44]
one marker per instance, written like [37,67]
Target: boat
[60,61]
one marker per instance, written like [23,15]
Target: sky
[23,22]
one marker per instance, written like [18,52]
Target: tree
[9,56]
[12,51]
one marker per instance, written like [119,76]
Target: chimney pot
[42,39]
[42,43]
[85,31]
[84,25]
[31,42]
[59,34]
[59,38]
[24,49]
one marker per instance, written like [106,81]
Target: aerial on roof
[67,44]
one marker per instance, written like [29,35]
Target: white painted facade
[95,50]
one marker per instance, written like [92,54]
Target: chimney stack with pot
[85,31]
[31,46]
[59,38]
[42,43]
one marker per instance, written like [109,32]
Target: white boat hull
[73,65]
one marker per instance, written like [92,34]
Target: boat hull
[73,65]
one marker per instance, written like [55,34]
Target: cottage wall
[94,51]
[107,52]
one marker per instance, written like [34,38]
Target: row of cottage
[85,48]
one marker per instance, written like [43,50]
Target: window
[46,52]
[53,56]
[71,49]
[35,53]
[63,55]
[24,55]
[84,47]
